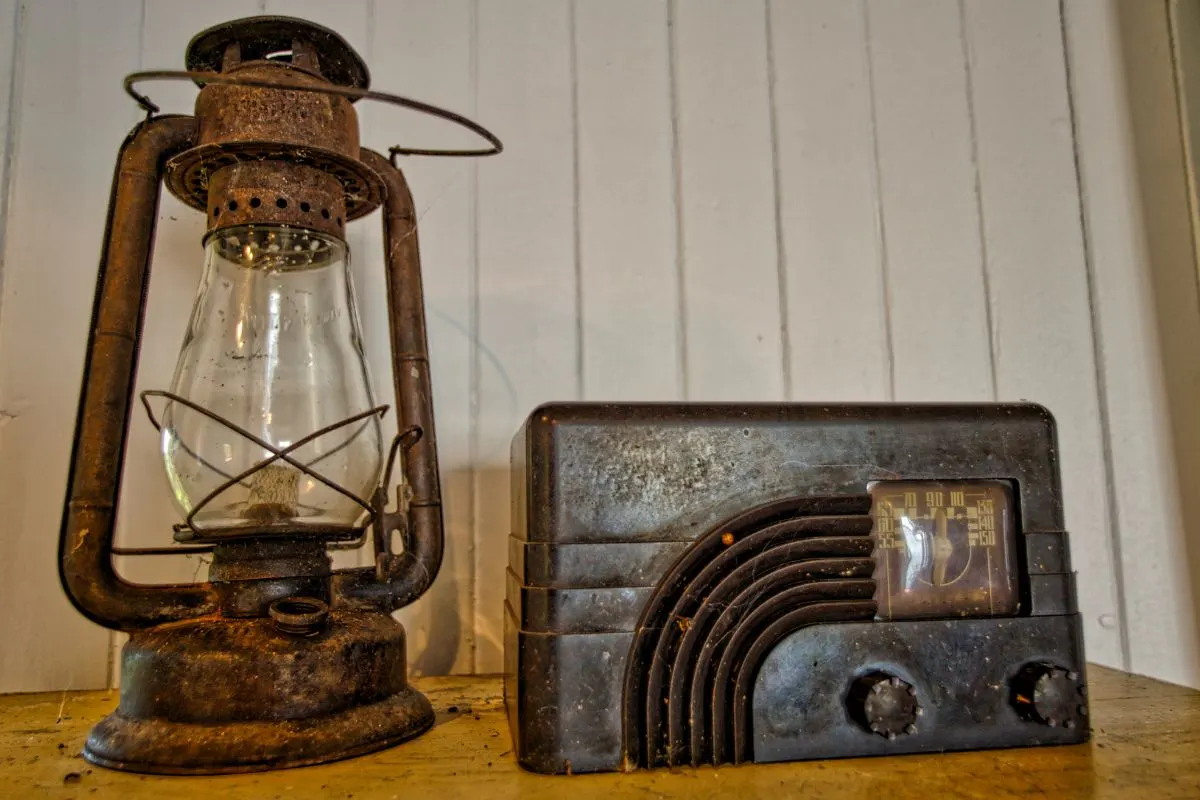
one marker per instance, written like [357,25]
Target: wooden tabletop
[1146,744]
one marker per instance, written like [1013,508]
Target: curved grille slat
[811,552]
[764,642]
[691,702]
[772,539]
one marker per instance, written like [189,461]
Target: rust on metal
[408,575]
[217,695]
[278,660]
[274,155]
[236,114]
[268,193]
[102,424]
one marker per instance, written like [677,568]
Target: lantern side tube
[94,482]
[408,575]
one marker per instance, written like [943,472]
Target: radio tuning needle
[942,546]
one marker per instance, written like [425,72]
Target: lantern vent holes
[277,210]
[273,247]
[360,188]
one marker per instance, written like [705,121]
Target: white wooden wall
[699,199]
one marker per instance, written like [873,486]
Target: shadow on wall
[465,608]
[494,510]
[1169,214]
[442,643]
[439,650]
[437,624]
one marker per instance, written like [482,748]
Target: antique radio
[696,583]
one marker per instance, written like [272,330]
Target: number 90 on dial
[944,549]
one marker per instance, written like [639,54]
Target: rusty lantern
[270,435]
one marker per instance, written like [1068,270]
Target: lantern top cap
[273,38]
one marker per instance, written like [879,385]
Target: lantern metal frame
[277,660]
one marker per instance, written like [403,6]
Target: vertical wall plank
[629,286]
[423,50]
[1182,652]
[829,223]
[73,117]
[527,323]
[1041,316]
[936,295]
[11,15]
[1132,171]
[1162,570]
[11,46]
[727,202]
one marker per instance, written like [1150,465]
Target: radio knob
[1049,695]
[884,704]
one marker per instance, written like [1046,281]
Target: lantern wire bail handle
[134,78]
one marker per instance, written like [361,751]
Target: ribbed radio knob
[1049,695]
[884,704]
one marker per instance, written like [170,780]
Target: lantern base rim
[153,746]
[225,694]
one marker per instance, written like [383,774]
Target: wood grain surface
[1146,744]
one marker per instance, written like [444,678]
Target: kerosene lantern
[270,433]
